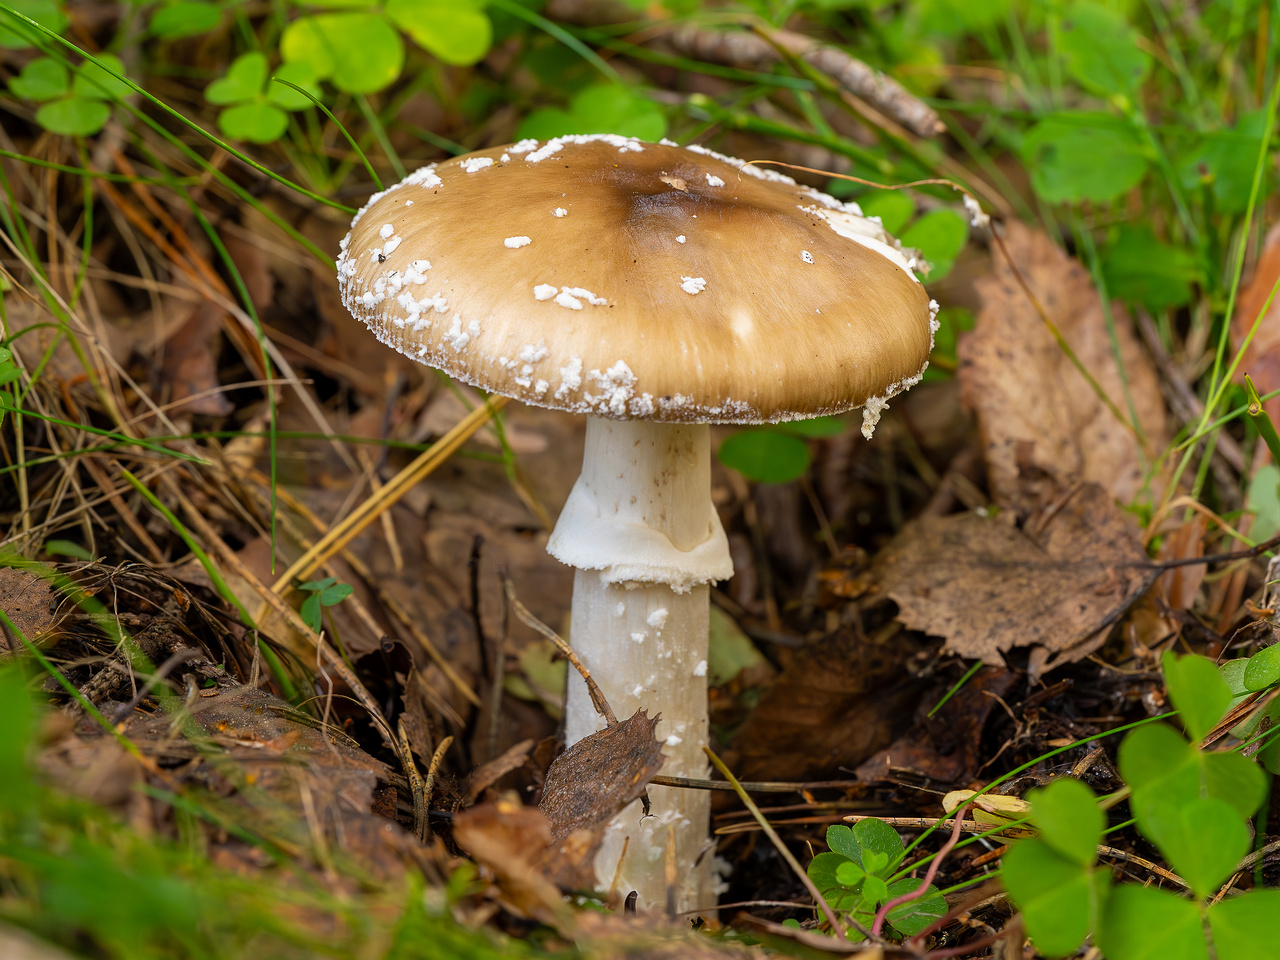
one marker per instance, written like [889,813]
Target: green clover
[78,104]
[361,50]
[323,593]
[254,107]
[185,18]
[16,35]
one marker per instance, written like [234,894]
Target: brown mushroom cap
[637,280]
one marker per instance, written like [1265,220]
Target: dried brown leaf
[595,778]
[838,702]
[987,586]
[28,601]
[1043,428]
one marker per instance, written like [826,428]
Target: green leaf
[454,31]
[1101,50]
[766,456]
[1263,668]
[849,874]
[16,786]
[1244,927]
[1139,268]
[318,585]
[16,35]
[1062,152]
[357,52]
[40,80]
[335,594]
[66,548]
[817,427]
[243,80]
[893,207]
[1202,839]
[256,122]
[1146,923]
[1197,690]
[310,612]
[915,915]
[1159,765]
[1226,158]
[842,841]
[823,872]
[1067,816]
[601,108]
[1264,501]
[74,117]
[93,82]
[874,889]
[1060,900]
[299,72]
[185,18]
[877,837]
[729,650]
[939,236]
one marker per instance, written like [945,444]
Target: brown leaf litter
[1043,428]
[1261,359]
[1057,585]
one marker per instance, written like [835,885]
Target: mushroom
[656,289]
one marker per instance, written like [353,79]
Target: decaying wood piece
[753,52]
[748,51]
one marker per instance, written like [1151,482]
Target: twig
[923,886]
[772,834]
[529,620]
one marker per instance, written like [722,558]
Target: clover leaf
[16,35]
[185,18]
[255,108]
[324,593]
[75,103]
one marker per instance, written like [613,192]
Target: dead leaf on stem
[987,586]
[1043,427]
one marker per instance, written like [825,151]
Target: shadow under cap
[636,280]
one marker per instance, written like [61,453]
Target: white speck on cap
[674,741]
[390,245]
[658,619]
[472,164]
[560,212]
[587,295]
[637,689]
[693,285]
[568,300]
[714,181]
[571,379]
[504,159]
[408,203]
[680,239]
[386,231]
[515,243]
[532,353]
[544,291]
[806,256]
[541,387]
[524,146]
[639,637]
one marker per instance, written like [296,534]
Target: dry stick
[920,889]
[389,603]
[351,526]
[416,785]
[754,786]
[529,620]
[127,515]
[772,834]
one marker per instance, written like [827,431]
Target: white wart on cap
[604,275]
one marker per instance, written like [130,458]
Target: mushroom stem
[644,535]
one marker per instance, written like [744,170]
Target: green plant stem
[559,33]
[956,688]
[373,174]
